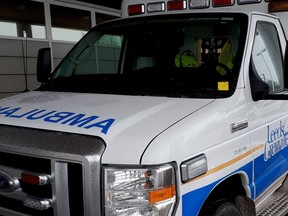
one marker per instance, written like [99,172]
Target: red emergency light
[218,3]
[136,9]
[176,5]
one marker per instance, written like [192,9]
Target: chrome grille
[59,173]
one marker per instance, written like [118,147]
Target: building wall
[18,65]
[28,25]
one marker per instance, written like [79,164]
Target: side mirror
[44,64]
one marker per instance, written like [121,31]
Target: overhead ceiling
[116,4]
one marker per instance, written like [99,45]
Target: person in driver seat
[186,59]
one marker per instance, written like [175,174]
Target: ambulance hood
[126,123]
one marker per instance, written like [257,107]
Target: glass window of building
[69,24]
[22,18]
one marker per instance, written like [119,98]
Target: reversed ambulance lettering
[64,118]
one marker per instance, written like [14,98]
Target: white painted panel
[117,52]
[4,95]
[107,67]
[15,65]
[12,83]
[33,47]
[61,49]
[11,65]
[56,62]
[10,47]
[32,82]
[284,20]
[106,53]
[31,65]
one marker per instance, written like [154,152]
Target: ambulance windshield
[188,55]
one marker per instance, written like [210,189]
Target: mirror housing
[44,64]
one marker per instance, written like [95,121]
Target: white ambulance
[178,108]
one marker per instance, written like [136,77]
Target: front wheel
[226,209]
[220,207]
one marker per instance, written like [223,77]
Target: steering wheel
[224,67]
[192,60]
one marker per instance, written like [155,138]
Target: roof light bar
[199,3]
[136,9]
[219,3]
[176,5]
[156,7]
[248,1]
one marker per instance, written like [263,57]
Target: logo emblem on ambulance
[8,183]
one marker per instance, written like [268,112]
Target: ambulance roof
[132,8]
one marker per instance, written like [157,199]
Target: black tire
[225,209]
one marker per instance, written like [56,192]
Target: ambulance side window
[267,58]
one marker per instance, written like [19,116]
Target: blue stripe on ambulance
[192,201]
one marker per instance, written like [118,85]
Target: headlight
[140,191]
